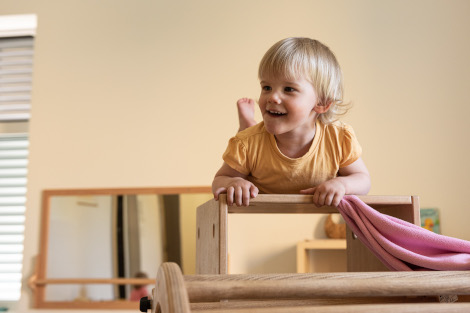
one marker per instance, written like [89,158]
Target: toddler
[139,291]
[300,146]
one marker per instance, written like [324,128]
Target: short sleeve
[351,149]
[236,156]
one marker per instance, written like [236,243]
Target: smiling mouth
[275,113]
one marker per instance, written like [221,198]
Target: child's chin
[273,131]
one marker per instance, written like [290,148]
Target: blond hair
[298,57]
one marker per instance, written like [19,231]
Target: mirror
[101,248]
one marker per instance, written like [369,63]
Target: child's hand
[239,191]
[330,192]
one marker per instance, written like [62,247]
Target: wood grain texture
[321,292]
[208,254]
[304,286]
[223,235]
[170,294]
[358,308]
[359,257]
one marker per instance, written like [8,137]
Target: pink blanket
[403,246]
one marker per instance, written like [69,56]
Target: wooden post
[359,257]
[211,237]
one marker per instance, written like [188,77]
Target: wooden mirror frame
[39,280]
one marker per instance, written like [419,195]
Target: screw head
[145,304]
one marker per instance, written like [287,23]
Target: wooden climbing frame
[384,292]
[212,226]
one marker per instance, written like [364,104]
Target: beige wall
[141,93]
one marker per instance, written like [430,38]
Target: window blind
[16,59]
[13,170]
[16,67]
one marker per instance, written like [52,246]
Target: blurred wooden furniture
[211,243]
[385,292]
[303,248]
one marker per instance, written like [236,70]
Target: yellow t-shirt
[254,152]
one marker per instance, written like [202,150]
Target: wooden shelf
[318,244]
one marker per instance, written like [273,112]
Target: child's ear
[322,107]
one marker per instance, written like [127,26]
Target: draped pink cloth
[403,246]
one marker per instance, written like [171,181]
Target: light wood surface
[359,258]
[328,292]
[358,308]
[270,203]
[170,294]
[325,244]
[94,281]
[305,287]
[252,304]
[208,238]
[317,244]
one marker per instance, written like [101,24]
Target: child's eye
[266,88]
[289,89]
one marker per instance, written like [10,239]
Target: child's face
[288,106]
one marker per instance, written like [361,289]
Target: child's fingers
[322,198]
[315,198]
[337,199]
[218,191]
[254,191]
[230,193]
[309,191]
[329,198]
[246,196]
[237,197]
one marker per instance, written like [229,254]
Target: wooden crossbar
[202,288]
[177,293]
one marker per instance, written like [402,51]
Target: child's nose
[274,98]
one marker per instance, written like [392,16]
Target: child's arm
[353,179]
[239,190]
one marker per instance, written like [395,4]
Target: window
[16,60]
[13,167]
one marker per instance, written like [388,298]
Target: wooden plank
[326,292]
[128,191]
[94,281]
[223,235]
[208,254]
[323,244]
[302,258]
[41,265]
[354,308]
[78,305]
[245,304]
[306,199]
[448,276]
[308,286]
[416,218]
[277,204]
